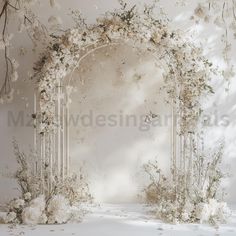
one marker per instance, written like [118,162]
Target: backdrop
[116,83]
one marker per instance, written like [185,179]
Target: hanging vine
[28,22]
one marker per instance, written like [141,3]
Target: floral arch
[187,75]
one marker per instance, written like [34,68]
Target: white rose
[18,203]
[27,196]
[10,217]
[185,216]
[31,215]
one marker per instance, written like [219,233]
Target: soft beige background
[114,156]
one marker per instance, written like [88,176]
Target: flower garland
[187,71]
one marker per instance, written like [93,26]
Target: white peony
[38,202]
[59,210]
[31,215]
[34,214]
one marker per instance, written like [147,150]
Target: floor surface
[120,220]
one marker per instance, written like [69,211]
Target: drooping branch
[28,22]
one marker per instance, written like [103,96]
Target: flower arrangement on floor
[62,204]
[195,199]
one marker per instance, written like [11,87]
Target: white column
[50,142]
[62,141]
[35,134]
[67,135]
[173,142]
[59,131]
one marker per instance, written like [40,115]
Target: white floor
[120,220]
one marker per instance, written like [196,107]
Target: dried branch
[35,30]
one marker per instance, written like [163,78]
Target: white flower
[34,214]
[18,203]
[10,217]
[38,202]
[31,215]
[75,36]
[59,210]
[223,212]
[185,216]
[214,211]
[27,196]
[75,214]
[202,212]
[213,206]
[43,219]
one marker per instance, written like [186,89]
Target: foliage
[192,201]
[60,205]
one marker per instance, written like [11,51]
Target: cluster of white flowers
[59,205]
[127,25]
[195,201]
[37,211]
[58,209]
[212,212]
[75,36]
[18,203]
[10,217]
[34,213]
